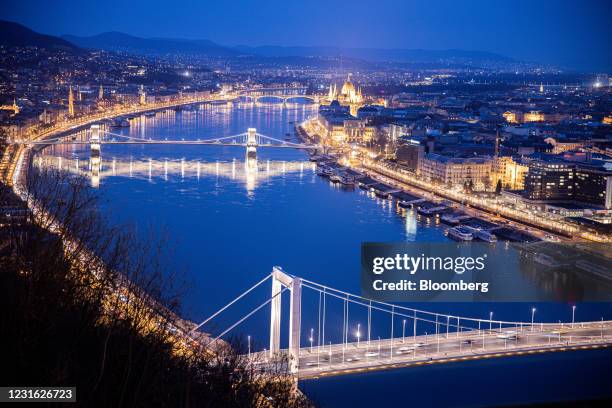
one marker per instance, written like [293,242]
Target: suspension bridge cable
[301,145]
[250,314]
[408,308]
[106,132]
[231,303]
[319,330]
[369,321]
[392,321]
[323,335]
[346,321]
[385,310]
[319,322]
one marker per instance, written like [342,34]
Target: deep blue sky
[575,33]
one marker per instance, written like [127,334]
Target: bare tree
[87,303]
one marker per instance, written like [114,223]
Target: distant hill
[14,34]
[115,41]
[378,54]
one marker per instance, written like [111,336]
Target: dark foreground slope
[59,328]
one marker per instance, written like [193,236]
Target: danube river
[228,226]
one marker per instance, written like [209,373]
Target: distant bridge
[282,98]
[414,337]
[284,95]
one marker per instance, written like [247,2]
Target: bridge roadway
[178,142]
[431,349]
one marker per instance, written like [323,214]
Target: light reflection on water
[232,223]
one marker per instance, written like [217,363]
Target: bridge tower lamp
[311,339]
[294,284]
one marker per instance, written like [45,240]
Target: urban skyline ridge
[120,41]
[571,34]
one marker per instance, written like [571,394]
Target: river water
[228,226]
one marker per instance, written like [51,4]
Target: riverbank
[16,164]
[218,386]
[475,206]
[13,152]
[473,210]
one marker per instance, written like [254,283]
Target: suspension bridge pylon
[94,140]
[94,146]
[251,144]
[294,284]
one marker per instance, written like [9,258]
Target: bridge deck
[385,354]
[176,142]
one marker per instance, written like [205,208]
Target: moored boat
[454,218]
[430,211]
[366,183]
[481,234]
[335,178]
[347,180]
[460,234]
[384,191]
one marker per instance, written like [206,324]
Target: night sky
[571,33]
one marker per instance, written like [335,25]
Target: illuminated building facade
[349,94]
[70,102]
[12,107]
[563,146]
[533,116]
[511,173]
[550,181]
[451,171]
[142,96]
[410,154]
[511,117]
[560,181]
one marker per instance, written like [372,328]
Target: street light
[403,330]
[249,345]
[573,315]
[490,320]
[358,333]
[311,338]
[533,310]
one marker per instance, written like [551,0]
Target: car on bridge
[508,335]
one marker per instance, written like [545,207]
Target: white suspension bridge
[251,140]
[411,337]
[98,137]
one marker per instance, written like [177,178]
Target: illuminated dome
[348,88]
[349,94]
